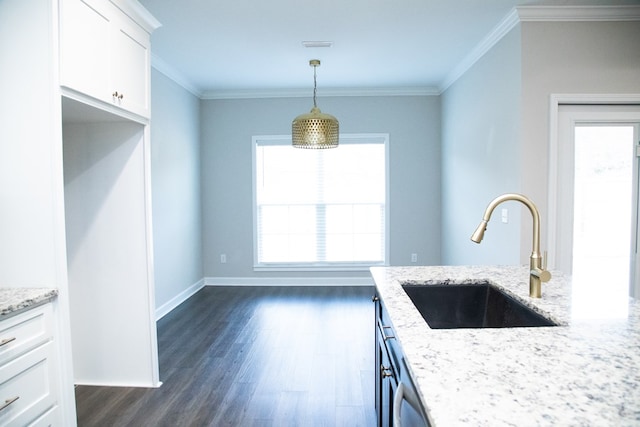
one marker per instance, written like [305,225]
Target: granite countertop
[17,300]
[584,372]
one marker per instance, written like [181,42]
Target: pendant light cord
[314,86]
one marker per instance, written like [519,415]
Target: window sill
[319,267]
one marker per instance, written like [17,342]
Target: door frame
[555,101]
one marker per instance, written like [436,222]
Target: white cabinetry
[105,87]
[31,189]
[105,54]
[51,49]
[28,369]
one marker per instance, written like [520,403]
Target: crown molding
[160,65]
[163,67]
[578,13]
[305,93]
[496,34]
[539,14]
[139,14]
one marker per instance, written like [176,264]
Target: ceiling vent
[317,44]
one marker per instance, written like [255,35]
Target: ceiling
[216,47]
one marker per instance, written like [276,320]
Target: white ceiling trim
[578,13]
[163,67]
[139,14]
[160,65]
[539,14]
[308,93]
[499,31]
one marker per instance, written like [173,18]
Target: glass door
[598,197]
[603,195]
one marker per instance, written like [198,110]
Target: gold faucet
[537,264]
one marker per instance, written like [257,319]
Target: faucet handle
[541,274]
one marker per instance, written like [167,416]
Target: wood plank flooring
[254,356]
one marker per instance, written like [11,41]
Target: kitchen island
[586,371]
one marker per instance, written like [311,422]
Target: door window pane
[603,197]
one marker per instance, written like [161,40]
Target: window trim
[328,266]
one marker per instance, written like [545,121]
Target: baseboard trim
[167,307]
[288,281]
[77,383]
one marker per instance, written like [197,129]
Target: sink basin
[480,305]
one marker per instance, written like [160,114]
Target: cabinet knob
[117,95]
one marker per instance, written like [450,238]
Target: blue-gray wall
[480,156]
[488,133]
[413,125]
[496,129]
[175,188]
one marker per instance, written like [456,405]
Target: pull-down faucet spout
[538,272]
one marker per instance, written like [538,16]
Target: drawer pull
[382,329]
[386,371]
[7,341]
[8,402]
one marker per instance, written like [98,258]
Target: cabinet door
[129,67]
[105,54]
[84,47]
[386,382]
[388,385]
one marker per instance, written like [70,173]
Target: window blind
[320,207]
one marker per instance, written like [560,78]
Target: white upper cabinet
[105,53]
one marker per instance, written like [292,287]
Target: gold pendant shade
[315,129]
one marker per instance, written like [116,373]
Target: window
[320,208]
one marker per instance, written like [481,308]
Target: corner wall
[175,177]
[506,97]
[480,156]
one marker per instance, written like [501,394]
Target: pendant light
[315,129]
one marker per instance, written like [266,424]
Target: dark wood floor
[254,356]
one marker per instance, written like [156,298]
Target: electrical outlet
[223,258]
[414,257]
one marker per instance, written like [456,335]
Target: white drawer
[50,418]
[25,331]
[31,379]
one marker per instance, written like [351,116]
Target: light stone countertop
[17,300]
[585,372]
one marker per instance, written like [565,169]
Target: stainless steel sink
[451,306]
